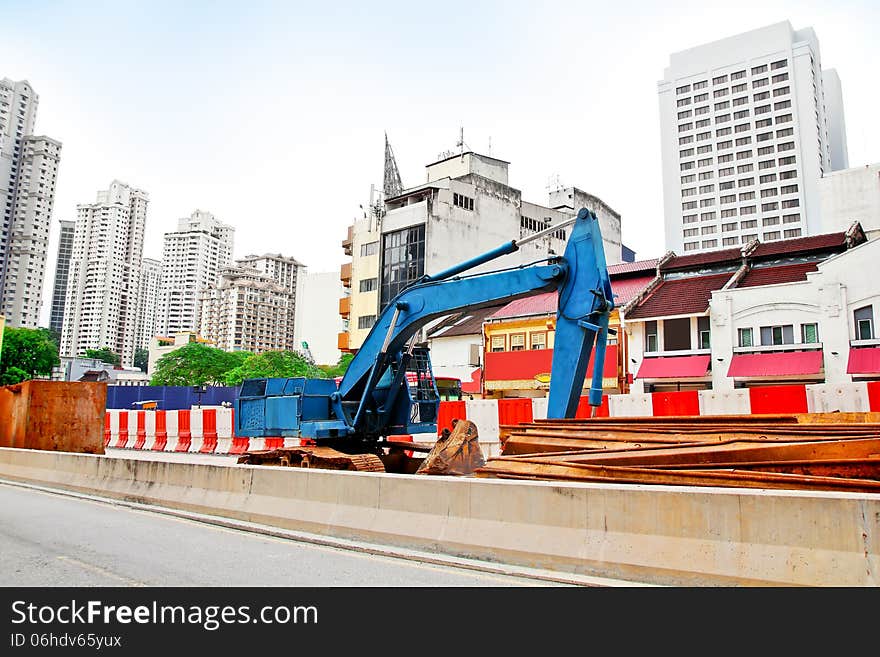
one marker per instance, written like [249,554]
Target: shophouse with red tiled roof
[728,318]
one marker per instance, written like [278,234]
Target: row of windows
[462,201]
[722,105]
[729,171]
[676,334]
[778,335]
[741,127]
[769,236]
[737,75]
[534,225]
[517,341]
[723,159]
[740,114]
[743,196]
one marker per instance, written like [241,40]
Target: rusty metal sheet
[64,416]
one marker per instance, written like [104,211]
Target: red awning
[526,364]
[864,360]
[780,363]
[672,367]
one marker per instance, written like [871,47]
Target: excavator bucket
[455,453]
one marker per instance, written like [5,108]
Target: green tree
[141,358]
[332,371]
[194,364]
[104,354]
[274,364]
[27,353]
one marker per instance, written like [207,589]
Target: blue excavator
[388,388]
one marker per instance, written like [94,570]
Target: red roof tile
[538,304]
[680,296]
[697,260]
[632,267]
[774,275]
[801,244]
[626,289]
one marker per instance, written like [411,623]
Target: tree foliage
[195,364]
[141,358]
[332,371]
[104,354]
[26,353]
[274,364]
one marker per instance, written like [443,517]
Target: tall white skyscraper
[103,284]
[747,131]
[192,258]
[148,302]
[28,172]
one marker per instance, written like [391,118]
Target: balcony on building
[345,274]
[345,306]
[342,342]
[346,243]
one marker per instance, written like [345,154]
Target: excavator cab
[408,402]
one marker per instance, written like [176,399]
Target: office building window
[776,335]
[403,261]
[744,336]
[651,334]
[703,333]
[864,322]
[538,340]
[462,201]
[517,341]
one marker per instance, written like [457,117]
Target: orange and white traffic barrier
[212,430]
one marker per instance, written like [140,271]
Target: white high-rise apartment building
[748,128]
[148,302]
[253,308]
[103,285]
[192,259]
[28,172]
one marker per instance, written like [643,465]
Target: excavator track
[321,458]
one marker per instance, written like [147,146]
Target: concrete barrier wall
[650,534]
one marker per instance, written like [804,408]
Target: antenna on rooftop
[461,145]
[554,184]
[393,186]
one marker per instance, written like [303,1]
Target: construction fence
[211,430]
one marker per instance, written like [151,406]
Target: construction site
[656,489]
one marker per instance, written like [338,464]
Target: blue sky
[271,115]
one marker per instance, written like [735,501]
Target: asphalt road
[55,540]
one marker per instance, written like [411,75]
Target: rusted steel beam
[635,475]
[790,418]
[735,452]
[855,468]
